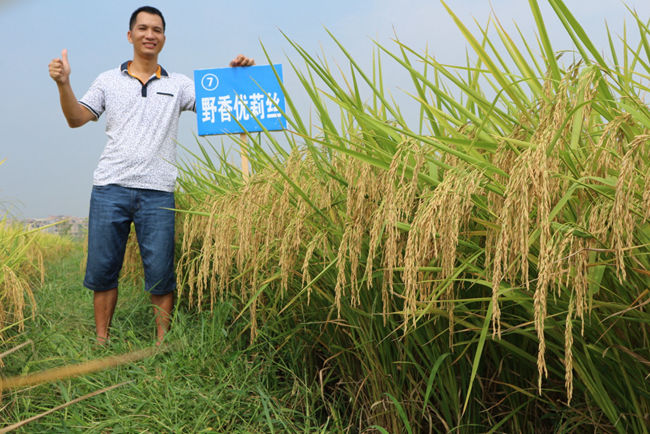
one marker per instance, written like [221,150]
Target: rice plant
[15,272]
[23,254]
[485,270]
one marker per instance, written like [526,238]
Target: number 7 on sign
[210,82]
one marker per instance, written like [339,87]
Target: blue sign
[228,97]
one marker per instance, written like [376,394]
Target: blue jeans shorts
[112,209]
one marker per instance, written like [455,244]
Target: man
[135,178]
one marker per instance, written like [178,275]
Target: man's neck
[143,68]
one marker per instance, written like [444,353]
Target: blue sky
[48,168]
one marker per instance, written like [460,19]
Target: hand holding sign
[242,60]
[60,68]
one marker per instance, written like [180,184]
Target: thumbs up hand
[60,68]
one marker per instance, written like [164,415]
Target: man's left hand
[242,60]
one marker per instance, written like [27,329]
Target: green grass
[210,380]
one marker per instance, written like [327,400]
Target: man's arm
[75,113]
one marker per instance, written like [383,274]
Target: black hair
[149,10]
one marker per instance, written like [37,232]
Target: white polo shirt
[141,126]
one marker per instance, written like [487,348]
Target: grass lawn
[209,379]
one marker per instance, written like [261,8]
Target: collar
[160,72]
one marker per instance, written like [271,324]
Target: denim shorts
[112,209]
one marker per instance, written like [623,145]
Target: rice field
[482,267]
[481,270]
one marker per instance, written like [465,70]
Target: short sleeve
[188,99]
[95,98]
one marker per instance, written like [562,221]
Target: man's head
[149,10]
[147,32]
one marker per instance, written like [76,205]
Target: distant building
[75,227]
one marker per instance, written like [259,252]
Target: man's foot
[101,342]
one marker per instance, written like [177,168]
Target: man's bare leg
[162,307]
[104,304]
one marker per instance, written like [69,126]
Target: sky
[48,166]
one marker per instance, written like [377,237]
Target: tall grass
[485,270]
[23,253]
[15,272]
[206,378]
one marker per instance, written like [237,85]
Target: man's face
[147,35]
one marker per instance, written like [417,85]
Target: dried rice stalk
[363,190]
[13,290]
[530,191]
[433,238]
[568,353]
[397,206]
[292,221]
[645,204]
[319,241]
[622,216]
